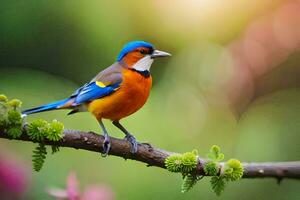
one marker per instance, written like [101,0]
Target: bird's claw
[106,146]
[133,142]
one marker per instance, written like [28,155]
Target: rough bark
[155,157]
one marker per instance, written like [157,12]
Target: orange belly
[130,97]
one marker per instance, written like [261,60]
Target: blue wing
[94,91]
[105,83]
[88,92]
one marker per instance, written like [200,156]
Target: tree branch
[155,157]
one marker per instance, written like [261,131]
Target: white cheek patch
[143,64]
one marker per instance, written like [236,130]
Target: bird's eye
[142,51]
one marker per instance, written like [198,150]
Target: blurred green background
[199,97]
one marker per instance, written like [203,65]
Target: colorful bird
[116,92]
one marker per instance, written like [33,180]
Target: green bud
[38,129]
[173,163]
[233,170]
[3,98]
[55,132]
[15,103]
[215,153]
[14,132]
[189,162]
[211,168]
[14,118]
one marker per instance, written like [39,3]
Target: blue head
[139,55]
[131,46]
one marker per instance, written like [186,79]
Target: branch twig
[155,157]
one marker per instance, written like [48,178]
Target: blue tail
[47,107]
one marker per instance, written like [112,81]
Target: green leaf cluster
[220,173]
[14,103]
[232,170]
[189,181]
[55,131]
[39,156]
[10,117]
[40,130]
[215,154]
[3,98]
[211,168]
[217,184]
[183,163]
[11,122]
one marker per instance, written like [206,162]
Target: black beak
[157,53]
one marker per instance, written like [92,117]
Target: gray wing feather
[110,75]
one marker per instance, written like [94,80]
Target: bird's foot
[130,138]
[106,146]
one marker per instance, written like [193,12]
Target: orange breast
[130,97]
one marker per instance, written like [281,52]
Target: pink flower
[13,178]
[93,192]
